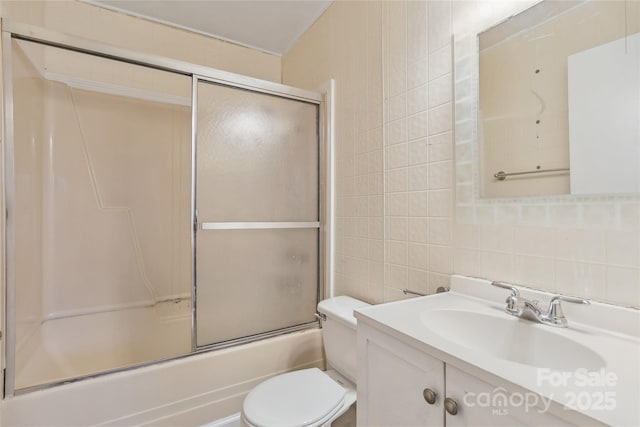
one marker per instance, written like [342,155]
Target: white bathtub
[76,346]
[191,391]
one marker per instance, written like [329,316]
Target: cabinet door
[482,404]
[392,378]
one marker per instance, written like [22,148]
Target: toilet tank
[339,334]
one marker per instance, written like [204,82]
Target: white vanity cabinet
[395,381]
[480,403]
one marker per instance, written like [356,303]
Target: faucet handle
[513,289]
[514,307]
[558,298]
[555,315]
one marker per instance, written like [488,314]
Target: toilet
[311,397]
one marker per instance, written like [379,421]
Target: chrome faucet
[522,307]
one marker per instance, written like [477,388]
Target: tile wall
[403,220]
[346,44]
[586,246]
[392,65]
[418,146]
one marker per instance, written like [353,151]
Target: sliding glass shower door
[257,207]
[151,212]
[98,188]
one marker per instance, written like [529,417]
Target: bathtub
[190,391]
[59,348]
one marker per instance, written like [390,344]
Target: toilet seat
[304,398]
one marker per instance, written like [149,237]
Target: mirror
[559,101]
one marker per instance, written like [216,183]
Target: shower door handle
[256,225]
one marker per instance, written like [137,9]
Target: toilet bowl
[305,398]
[311,397]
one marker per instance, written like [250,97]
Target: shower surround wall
[400,55]
[30,223]
[103,188]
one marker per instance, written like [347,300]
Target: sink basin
[510,338]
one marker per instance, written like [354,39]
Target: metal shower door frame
[252,225]
[12,30]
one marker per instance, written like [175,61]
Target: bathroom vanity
[458,359]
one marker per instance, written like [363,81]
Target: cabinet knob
[429,395]
[451,406]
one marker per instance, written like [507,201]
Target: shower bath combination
[156,209]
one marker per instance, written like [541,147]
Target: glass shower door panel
[257,204]
[257,156]
[100,215]
[255,281]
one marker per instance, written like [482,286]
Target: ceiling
[267,25]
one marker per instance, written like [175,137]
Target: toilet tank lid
[341,308]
